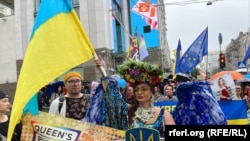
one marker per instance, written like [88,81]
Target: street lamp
[222,55]
[220,40]
[209,3]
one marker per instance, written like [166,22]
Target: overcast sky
[186,22]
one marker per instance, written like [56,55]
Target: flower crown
[134,71]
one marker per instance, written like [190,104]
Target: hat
[3,95]
[134,71]
[71,74]
[182,77]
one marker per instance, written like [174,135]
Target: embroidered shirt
[158,124]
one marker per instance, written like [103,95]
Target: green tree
[196,72]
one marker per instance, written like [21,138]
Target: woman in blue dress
[196,105]
[144,114]
[143,76]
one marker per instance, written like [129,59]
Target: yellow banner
[48,127]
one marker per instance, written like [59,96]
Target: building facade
[212,62]
[107,24]
[236,50]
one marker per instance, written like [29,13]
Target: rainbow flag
[143,48]
[58,43]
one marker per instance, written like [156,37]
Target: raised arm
[100,63]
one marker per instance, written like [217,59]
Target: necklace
[144,114]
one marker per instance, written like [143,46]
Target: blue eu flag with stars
[247,55]
[194,53]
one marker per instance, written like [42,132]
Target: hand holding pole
[100,64]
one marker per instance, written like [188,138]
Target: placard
[48,127]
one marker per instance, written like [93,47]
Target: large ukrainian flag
[235,111]
[58,43]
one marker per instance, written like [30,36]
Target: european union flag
[247,55]
[195,53]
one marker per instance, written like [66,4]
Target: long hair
[223,82]
[56,89]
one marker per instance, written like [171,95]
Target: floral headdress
[134,71]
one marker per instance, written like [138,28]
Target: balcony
[1,13]
[8,3]
[5,11]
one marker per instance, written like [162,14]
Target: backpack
[61,100]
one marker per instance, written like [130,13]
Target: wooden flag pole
[101,67]
[104,74]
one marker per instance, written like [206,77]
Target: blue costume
[197,105]
[108,108]
[158,124]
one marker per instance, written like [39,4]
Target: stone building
[101,20]
[236,50]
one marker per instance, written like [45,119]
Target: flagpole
[104,73]
[206,67]
[138,47]
[247,66]
[138,50]
[247,61]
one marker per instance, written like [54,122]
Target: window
[75,4]
[116,10]
[37,5]
[117,14]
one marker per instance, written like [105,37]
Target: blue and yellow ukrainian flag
[58,43]
[235,111]
[178,54]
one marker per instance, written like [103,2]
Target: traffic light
[222,60]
